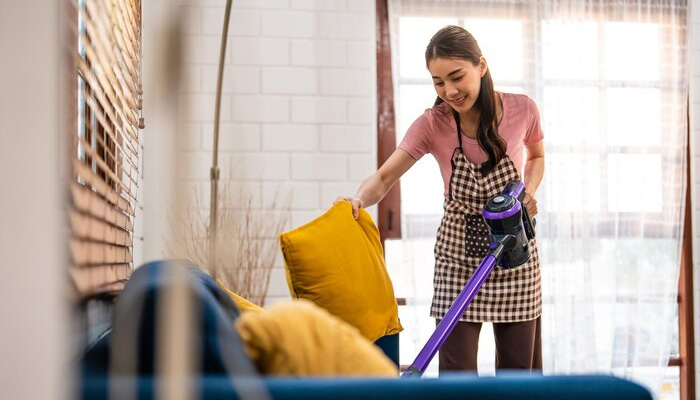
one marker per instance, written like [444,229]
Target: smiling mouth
[459,100]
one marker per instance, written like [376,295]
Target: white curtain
[610,79]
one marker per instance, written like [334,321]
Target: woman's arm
[534,170]
[376,186]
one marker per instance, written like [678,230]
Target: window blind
[106,147]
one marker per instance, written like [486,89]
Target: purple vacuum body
[510,228]
[504,215]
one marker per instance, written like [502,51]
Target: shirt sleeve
[534,128]
[417,142]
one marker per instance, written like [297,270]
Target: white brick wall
[298,109]
[290,138]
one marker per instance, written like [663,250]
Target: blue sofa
[508,387]
[121,363]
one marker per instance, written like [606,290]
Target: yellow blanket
[299,338]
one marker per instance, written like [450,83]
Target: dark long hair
[456,42]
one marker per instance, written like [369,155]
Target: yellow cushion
[301,339]
[242,303]
[338,263]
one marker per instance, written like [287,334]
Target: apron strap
[456,151]
[453,160]
[459,128]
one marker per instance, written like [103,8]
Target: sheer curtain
[610,79]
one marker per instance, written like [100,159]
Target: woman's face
[457,81]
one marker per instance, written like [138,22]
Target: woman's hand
[530,204]
[355,202]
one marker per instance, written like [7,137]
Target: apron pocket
[476,240]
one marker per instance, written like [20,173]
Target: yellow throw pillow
[298,338]
[242,303]
[337,262]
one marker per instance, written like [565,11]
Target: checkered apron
[507,295]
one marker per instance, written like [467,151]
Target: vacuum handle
[515,189]
[528,224]
[528,221]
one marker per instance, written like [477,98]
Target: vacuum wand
[510,228]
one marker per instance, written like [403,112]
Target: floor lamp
[214,171]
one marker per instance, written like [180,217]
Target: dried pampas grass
[246,240]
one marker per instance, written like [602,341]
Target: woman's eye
[459,78]
[439,83]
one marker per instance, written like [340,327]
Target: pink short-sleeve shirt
[435,132]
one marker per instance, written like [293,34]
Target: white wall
[159,156]
[33,302]
[298,108]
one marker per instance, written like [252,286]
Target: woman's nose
[450,89]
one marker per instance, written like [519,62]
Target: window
[623,111]
[106,145]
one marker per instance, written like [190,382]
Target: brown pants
[518,346]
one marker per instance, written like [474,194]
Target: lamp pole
[214,171]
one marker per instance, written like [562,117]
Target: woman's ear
[483,66]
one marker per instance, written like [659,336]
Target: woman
[477,136]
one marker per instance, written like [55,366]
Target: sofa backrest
[130,348]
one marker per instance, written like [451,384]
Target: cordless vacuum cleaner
[510,228]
